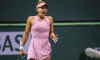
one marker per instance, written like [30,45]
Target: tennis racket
[23,57]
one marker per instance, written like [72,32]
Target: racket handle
[23,57]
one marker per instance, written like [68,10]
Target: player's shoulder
[30,19]
[49,17]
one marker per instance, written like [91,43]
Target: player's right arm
[26,34]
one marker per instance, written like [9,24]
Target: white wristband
[21,48]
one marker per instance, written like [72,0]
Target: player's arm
[51,32]
[51,24]
[25,37]
[27,30]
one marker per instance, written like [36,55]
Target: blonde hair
[40,2]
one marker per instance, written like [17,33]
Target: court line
[55,24]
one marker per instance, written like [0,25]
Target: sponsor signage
[10,42]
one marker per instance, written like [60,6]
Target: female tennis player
[41,27]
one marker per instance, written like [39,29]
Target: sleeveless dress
[40,47]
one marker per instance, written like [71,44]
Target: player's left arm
[51,32]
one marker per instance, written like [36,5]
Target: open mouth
[43,12]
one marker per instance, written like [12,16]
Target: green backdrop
[60,10]
[72,42]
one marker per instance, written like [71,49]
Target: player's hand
[22,53]
[55,38]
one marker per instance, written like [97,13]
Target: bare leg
[47,58]
[32,59]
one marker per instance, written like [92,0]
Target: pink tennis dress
[40,47]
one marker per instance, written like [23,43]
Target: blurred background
[76,22]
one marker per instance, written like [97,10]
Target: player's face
[42,10]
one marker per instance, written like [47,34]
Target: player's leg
[47,58]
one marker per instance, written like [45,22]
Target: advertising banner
[10,42]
